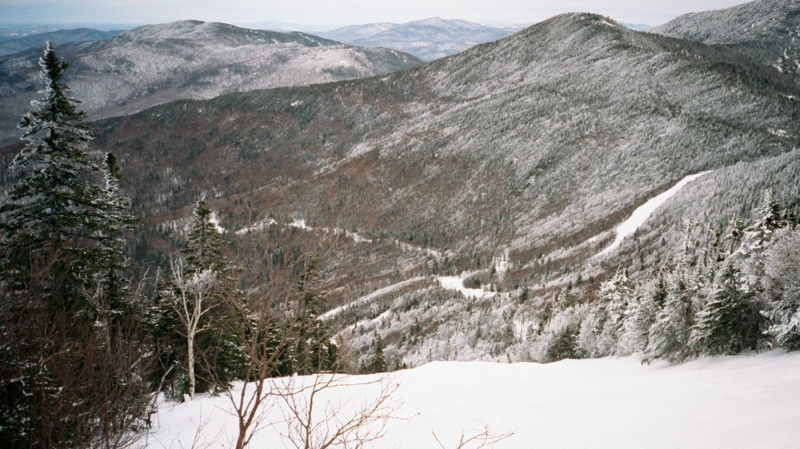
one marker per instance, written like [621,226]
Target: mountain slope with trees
[11,46]
[512,161]
[764,30]
[155,64]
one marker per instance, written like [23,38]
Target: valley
[248,207]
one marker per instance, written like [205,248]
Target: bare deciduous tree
[194,300]
[313,422]
[479,438]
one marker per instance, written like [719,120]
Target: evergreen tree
[204,243]
[376,362]
[641,315]
[314,349]
[729,322]
[782,289]
[197,351]
[669,335]
[57,207]
[71,374]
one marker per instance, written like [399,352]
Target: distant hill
[11,46]
[768,31]
[427,39]
[154,64]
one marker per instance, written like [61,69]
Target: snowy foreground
[724,402]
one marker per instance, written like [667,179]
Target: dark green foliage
[562,345]
[376,363]
[218,352]
[204,243]
[729,323]
[73,355]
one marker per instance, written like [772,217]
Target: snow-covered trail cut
[372,296]
[741,402]
[643,212]
[457,283]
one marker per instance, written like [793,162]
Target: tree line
[728,290]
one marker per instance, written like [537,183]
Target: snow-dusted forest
[579,235]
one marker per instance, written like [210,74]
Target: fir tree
[76,377]
[782,289]
[197,351]
[57,207]
[376,362]
[669,335]
[729,322]
[641,314]
[204,243]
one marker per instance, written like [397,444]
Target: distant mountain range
[768,31]
[427,39]
[154,64]
[12,46]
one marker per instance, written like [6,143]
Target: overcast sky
[332,13]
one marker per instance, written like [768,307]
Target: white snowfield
[747,402]
[457,283]
[643,212]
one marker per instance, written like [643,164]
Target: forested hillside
[154,64]
[529,150]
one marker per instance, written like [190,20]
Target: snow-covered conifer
[782,289]
[669,335]
[729,321]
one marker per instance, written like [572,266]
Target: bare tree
[194,300]
[479,438]
[334,423]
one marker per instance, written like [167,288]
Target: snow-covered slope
[643,212]
[732,402]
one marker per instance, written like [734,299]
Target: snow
[457,283]
[370,297]
[736,402]
[643,212]
[215,221]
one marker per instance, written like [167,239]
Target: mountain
[57,37]
[768,31]
[427,39]
[154,64]
[505,169]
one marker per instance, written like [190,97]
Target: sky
[327,14]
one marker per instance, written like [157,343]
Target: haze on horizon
[327,14]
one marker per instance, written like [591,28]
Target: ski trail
[366,299]
[643,212]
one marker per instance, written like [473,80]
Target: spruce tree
[669,335]
[70,373]
[729,322]
[376,362]
[204,243]
[198,351]
[57,207]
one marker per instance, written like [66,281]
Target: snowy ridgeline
[723,402]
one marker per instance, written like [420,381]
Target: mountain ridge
[428,39]
[764,30]
[529,150]
[191,59]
